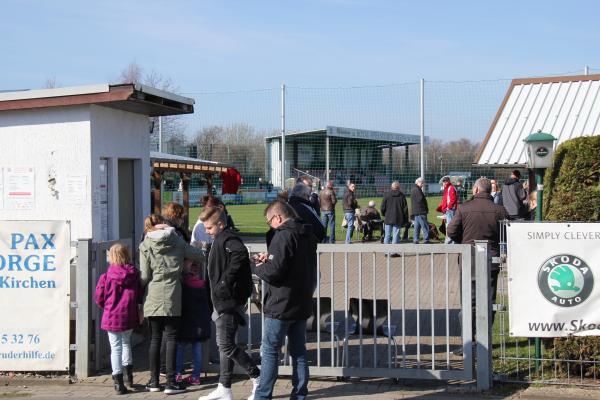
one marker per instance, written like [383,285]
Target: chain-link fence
[244,129]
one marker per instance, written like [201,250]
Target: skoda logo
[565,280]
[541,152]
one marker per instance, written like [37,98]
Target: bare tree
[50,83]
[172,126]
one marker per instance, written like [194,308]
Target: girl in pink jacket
[119,294]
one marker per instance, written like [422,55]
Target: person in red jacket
[448,203]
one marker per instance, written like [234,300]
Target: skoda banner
[34,295]
[553,279]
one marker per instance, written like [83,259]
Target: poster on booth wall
[553,279]
[19,188]
[34,295]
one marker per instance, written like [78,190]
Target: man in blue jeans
[288,269]
[420,209]
[350,205]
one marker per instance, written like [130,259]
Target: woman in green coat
[161,261]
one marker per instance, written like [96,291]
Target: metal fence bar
[403,307]
[418,273]
[346,347]
[483,313]
[432,317]
[83,313]
[318,316]
[447,312]
[374,279]
[360,312]
[389,315]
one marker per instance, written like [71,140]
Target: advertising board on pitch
[553,279]
[34,295]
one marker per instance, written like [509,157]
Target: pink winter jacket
[118,293]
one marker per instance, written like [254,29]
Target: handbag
[344,222]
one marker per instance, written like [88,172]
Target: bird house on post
[540,149]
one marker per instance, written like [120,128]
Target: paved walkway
[100,388]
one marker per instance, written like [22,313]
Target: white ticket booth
[81,154]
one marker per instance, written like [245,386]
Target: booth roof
[132,97]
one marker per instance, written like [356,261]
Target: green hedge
[573,194]
[572,185]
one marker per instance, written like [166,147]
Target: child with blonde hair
[119,294]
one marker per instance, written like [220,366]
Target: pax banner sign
[554,279]
[34,295]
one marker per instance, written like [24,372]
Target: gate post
[483,330]
[83,314]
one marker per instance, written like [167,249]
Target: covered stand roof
[171,162]
[132,97]
[390,138]
[565,107]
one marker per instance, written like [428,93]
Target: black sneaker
[153,387]
[174,388]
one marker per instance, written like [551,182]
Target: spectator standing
[161,262]
[395,211]
[313,197]
[448,204]
[291,246]
[496,193]
[350,205]
[230,280]
[174,215]
[300,201]
[514,197]
[327,201]
[420,209]
[119,294]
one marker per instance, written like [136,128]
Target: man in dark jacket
[230,279]
[478,219]
[313,197]
[327,200]
[514,196]
[395,211]
[350,205]
[288,270]
[299,200]
[420,209]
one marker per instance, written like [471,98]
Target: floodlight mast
[282,136]
[422,139]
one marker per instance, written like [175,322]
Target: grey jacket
[161,260]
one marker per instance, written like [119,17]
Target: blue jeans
[275,331]
[196,357]
[421,223]
[120,350]
[389,231]
[328,218]
[350,228]
[449,216]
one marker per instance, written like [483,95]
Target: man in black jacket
[288,268]
[230,280]
[395,211]
[420,209]
[299,199]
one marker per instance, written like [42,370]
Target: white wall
[118,135]
[50,139]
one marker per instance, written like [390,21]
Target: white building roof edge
[54,92]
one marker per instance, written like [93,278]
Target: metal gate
[395,311]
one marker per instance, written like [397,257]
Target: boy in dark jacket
[231,284]
[288,270]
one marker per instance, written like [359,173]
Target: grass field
[250,220]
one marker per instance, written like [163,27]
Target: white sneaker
[220,393]
[255,383]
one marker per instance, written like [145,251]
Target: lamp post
[540,149]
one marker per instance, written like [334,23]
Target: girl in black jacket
[195,323]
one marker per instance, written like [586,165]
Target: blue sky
[245,45]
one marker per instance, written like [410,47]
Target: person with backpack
[230,280]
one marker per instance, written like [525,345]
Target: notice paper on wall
[76,192]
[19,188]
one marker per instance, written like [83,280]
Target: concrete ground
[100,388]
